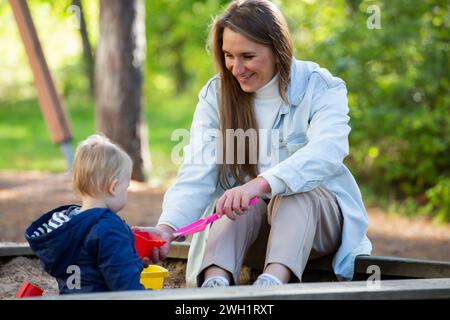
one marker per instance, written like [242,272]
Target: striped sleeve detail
[54,224]
[56,221]
[61,216]
[48,229]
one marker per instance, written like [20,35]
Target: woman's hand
[237,199]
[164,232]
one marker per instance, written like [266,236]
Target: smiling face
[251,63]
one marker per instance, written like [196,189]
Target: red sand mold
[145,242]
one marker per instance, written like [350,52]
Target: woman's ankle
[215,271]
[279,271]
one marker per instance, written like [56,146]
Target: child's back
[89,248]
[94,245]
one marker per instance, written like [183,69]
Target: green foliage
[177,32]
[398,84]
[439,197]
[60,41]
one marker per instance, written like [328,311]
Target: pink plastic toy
[145,242]
[201,224]
[28,290]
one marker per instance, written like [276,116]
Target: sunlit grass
[164,115]
[25,142]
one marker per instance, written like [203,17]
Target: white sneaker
[267,279]
[217,281]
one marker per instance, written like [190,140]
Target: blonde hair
[98,162]
[262,22]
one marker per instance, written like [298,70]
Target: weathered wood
[390,266]
[50,102]
[15,251]
[411,268]
[178,250]
[389,289]
[318,269]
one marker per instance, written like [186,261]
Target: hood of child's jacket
[59,248]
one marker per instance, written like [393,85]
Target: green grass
[164,115]
[25,142]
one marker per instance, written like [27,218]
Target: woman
[312,205]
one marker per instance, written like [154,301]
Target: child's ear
[112,187]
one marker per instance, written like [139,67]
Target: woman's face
[251,63]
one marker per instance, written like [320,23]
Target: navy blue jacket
[98,241]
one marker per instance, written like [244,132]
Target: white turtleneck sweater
[267,103]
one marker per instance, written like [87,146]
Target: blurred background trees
[397,78]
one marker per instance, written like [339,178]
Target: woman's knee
[303,203]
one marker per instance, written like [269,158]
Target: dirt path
[26,195]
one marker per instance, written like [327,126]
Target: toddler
[90,248]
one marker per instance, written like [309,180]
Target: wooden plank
[394,267]
[178,250]
[389,289]
[405,267]
[50,102]
[11,251]
[390,266]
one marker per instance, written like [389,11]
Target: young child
[91,242]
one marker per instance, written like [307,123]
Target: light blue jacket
[313,143]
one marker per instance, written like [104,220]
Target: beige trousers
[291,230]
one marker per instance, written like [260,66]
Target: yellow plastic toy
[153,277]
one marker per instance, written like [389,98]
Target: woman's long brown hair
[259,21]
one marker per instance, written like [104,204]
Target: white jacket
[313,143]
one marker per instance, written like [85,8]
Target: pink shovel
[201,224]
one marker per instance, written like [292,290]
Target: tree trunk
[118,79]
[87,49]
[181,76]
